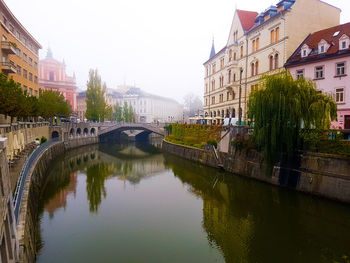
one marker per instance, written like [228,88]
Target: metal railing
[24,173]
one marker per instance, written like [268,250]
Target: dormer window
[305,50]
[322,46]
[344,42]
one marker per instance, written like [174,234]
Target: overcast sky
[158,45]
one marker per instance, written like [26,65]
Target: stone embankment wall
[318,174]
[21,134]
[28,228]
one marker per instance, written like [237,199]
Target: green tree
[118,112]
[126,112]
[279,110]
[52,103]
[95,101]
[131,114]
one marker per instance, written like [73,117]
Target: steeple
[212,52]
[49,53]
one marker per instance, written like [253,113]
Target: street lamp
[239,100]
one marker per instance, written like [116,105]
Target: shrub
[42,140]
[212,142]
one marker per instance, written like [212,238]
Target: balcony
[231,86]
[8,47]
[8,67]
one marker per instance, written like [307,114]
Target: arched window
[230,55]
[257,68]
[253,46]
[272,36]
[276,61]
[277,34]
[257,44]
[234,56]
[271,62]
[214,113]
[252,69]
[233,113]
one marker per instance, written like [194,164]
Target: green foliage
[16,103]
[279,109]
[118,113]
[212,142]
[95,97]
[42,140]
[195,135]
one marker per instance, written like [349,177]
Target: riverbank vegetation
[291,115]
[16,102]
[194,135]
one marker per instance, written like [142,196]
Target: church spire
[49,53]
[212,52]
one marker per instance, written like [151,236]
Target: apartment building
[324,57]
[19,52]
[258,44]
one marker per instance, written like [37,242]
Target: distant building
[52,76]
[258,44]
[19,52]
[324,56]
[81,105]
[149,108]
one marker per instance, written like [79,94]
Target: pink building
[324,57]
[52,75]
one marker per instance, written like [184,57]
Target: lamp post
[239,100]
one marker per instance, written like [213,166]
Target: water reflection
[240,219]
[254,222]
[127,162]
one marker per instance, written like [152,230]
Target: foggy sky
[158,45]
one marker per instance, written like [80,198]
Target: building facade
[81,105]
[19,52]
[324,57]
[53,76]
[258,44]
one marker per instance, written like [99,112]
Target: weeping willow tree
[281,108]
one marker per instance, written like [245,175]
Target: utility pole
[239,100]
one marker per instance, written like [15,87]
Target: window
[252,69]
[339,95]
[24,73]
[241,51]
[214,68]
[30,91]
[271,62]
[207,71]
[304,53]
[230,55]
[222,63]
[35,65]
[276,61]
[25,88]
[234,56]
[300,73]
[340,69]
[51,76]
[254,87]
[277,34]
[213,84]
[257,68]
[206,102]
[221,98]
[206,88]
[343,45]
[229,76]
[30,61]
[30,76]
[253,46]
[25,58]
[319,72]
[228,96]
[234,77]
[257,44]
[212,100]
[19,70]
[322,49]
[272,36]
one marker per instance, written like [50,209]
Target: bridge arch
[78,131]
[86,131]
[55,134]
[71,132]
[92,131]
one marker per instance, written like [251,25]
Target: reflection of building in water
[60,199]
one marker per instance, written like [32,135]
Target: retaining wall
[318,174]
[28,227]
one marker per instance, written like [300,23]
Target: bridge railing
[24,174]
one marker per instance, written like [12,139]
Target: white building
[148,108]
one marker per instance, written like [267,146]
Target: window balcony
[8,67]
[8,47]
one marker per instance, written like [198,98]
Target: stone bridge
[68,131]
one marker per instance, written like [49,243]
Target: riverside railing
[24,173]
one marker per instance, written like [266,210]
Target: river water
[132,203]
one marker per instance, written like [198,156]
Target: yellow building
[19,52]
[258,44]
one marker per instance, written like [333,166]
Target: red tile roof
[312,42]
[246,18]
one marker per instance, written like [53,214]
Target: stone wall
[314,173]
[28,227]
